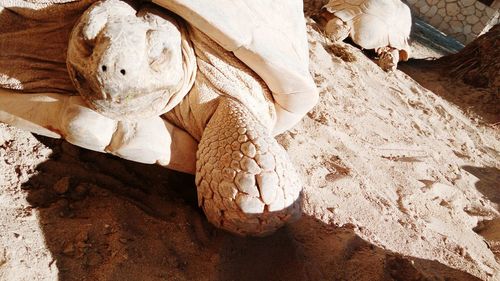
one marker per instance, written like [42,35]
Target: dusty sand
[400,183]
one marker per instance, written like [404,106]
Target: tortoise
[202,88]
[381,25]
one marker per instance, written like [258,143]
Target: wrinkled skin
[245,181]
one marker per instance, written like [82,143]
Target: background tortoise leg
[152,140]
[388,58]
[246,183]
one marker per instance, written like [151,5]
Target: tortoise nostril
[104,68]
[122,71]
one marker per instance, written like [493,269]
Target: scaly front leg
[388,58]
[152,140]
[246,183]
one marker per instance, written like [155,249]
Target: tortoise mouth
[128,105]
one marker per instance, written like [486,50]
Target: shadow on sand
[432,74]
[489,180]
[488,185]
[106,218]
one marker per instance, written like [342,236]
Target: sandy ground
[400,183]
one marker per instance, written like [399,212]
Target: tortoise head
[126,64]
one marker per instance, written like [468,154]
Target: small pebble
[93,258]
[79,192]
[62,185]
[69,250]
